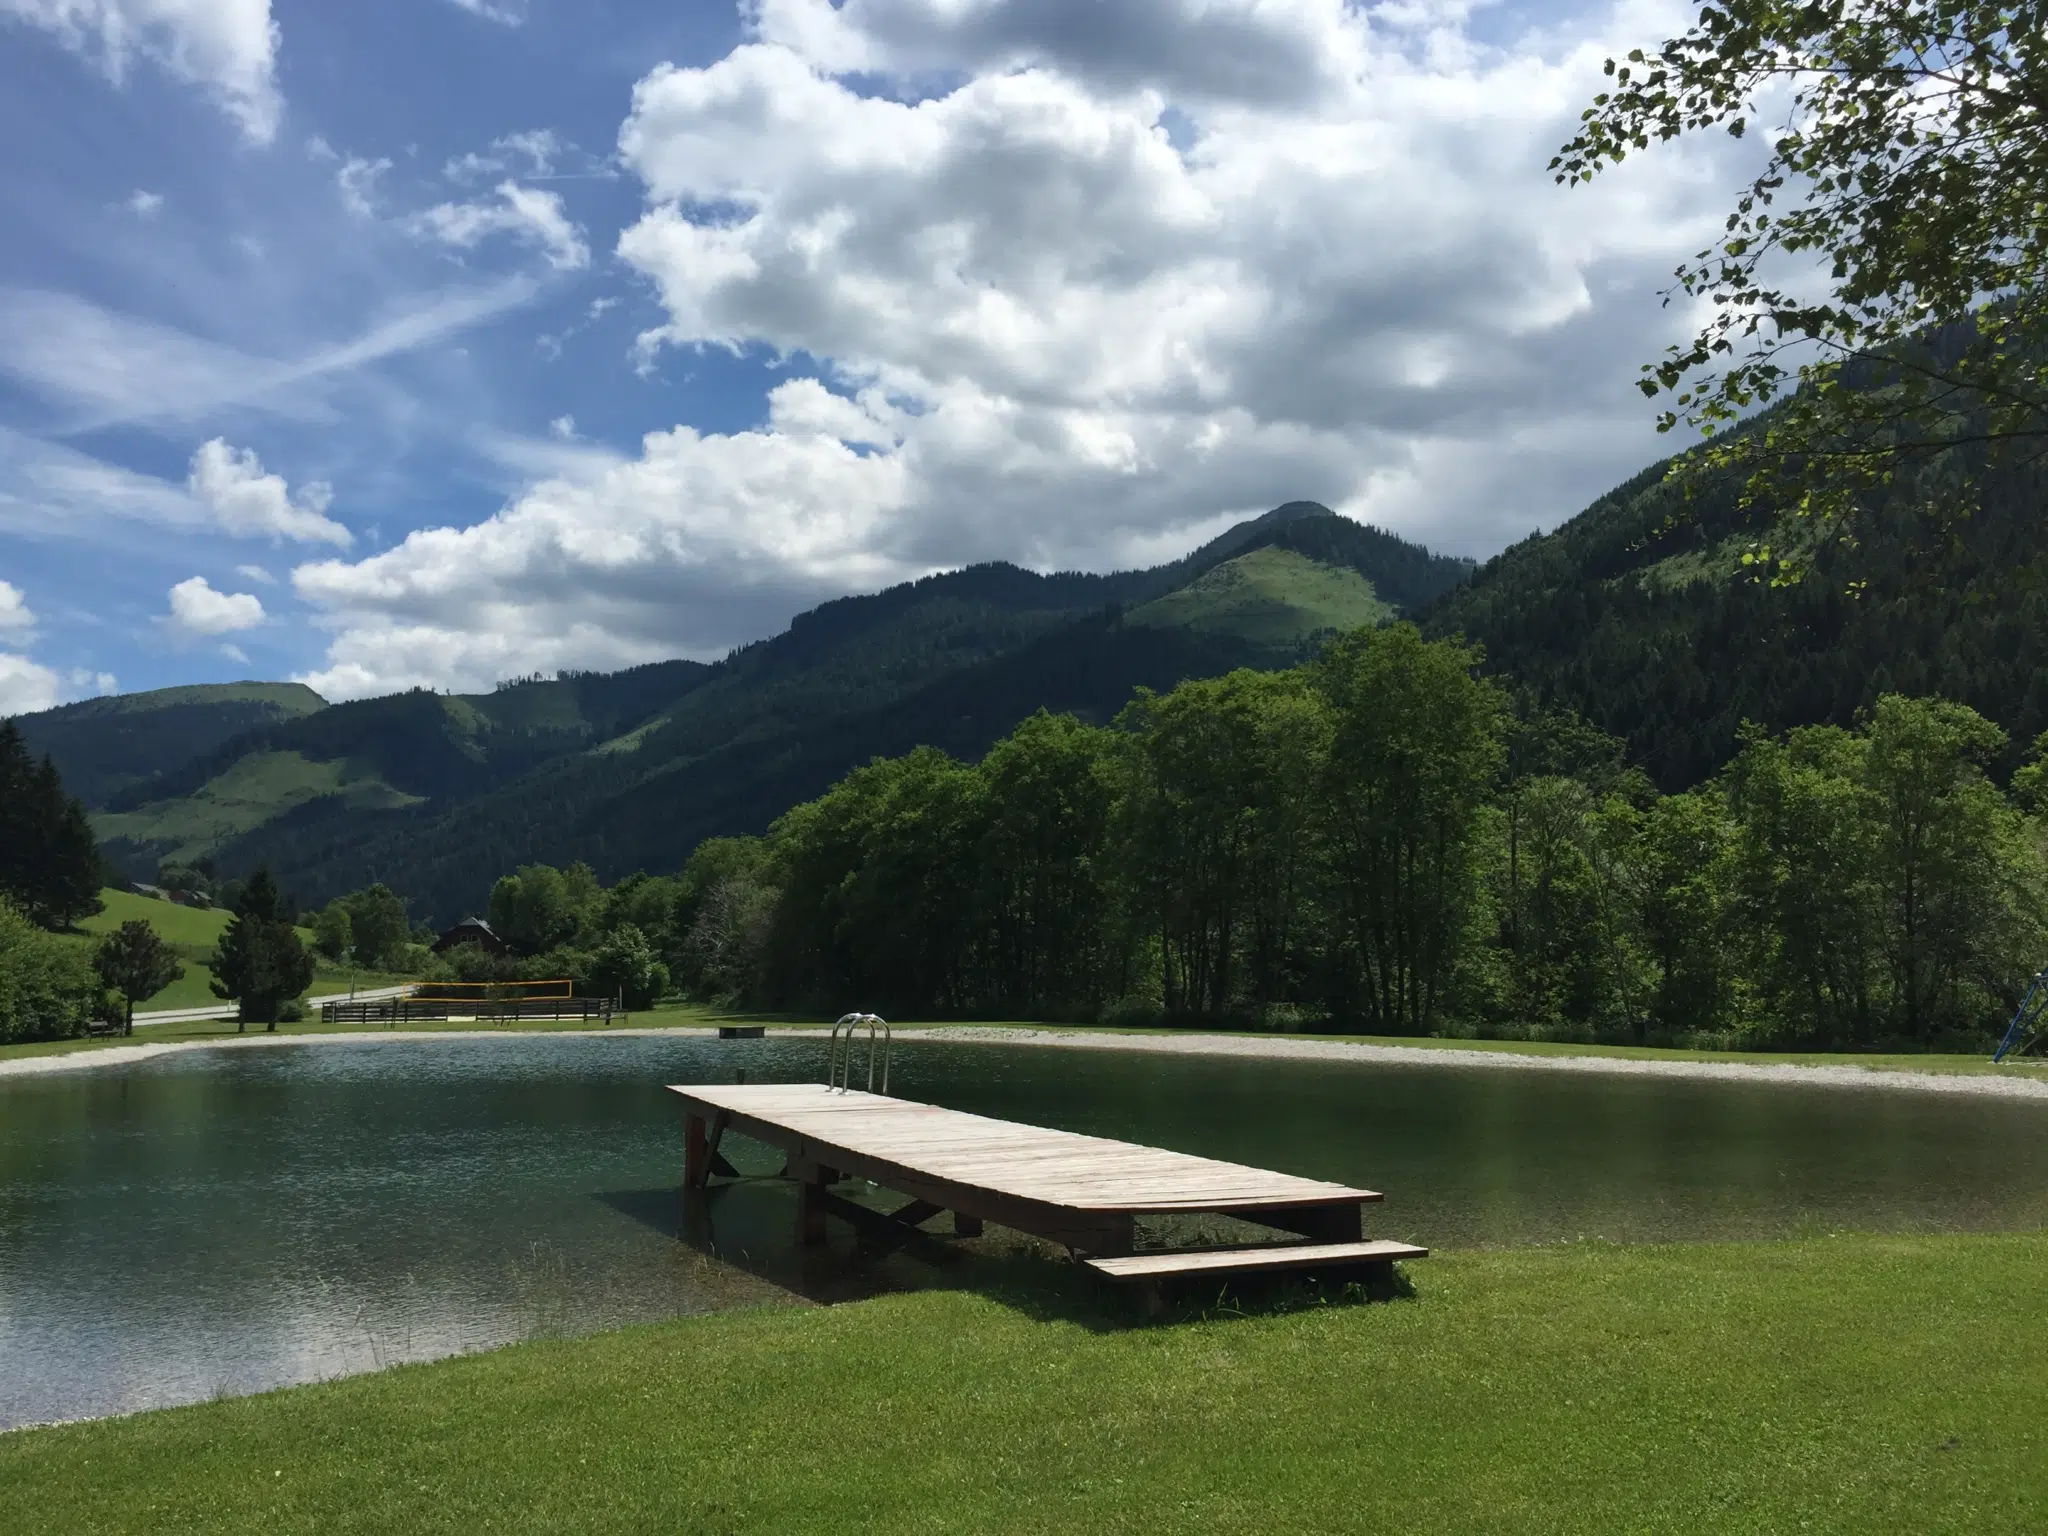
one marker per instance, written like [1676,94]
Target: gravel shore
[1279,1047]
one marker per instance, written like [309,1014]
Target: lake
[225,1221]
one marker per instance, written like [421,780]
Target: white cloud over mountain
[197,609]
[1064,283]
[26,686]
[227,48]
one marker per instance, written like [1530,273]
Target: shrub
[48,990]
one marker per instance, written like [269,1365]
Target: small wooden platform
[1250,1261]
[1083,1191]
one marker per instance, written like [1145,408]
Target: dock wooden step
[1243,1261]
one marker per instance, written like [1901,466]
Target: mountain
[381,754]
[106,746]
[437,794]
[1271,596]
[1641,614]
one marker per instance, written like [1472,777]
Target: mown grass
[1851,1384]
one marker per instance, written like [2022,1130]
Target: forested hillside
[104,747]
[1640,614]
[430,793]
[1371,841]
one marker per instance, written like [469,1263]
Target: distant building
[471,930]
[180,898]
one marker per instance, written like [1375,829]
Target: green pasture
[1270,596]
[249,793]
[1850,1384]
[193,932]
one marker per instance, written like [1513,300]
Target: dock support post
[814,1184]
[965,1225]
[1343,1223]
[696,1152]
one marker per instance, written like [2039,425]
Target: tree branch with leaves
[1909,165]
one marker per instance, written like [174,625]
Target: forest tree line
[1381,840]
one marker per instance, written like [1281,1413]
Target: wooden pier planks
[1075,1189]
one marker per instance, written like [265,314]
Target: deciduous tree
[135,961]
[1907,146]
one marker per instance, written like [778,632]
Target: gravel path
[1279,1047]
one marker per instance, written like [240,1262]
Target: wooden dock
[1085,1192]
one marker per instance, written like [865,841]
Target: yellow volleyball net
[492,991]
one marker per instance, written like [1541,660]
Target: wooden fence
[392,1011]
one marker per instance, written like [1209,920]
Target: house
[471,930]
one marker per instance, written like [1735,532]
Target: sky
[433,342]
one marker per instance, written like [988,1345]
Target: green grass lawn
[187,927]
[1851,1384]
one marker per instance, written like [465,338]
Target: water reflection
[221,1222]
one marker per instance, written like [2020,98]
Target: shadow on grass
[750,1224]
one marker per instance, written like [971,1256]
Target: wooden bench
[1153,1270]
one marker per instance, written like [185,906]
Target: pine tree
[260,962]
[135,961]
[49,862]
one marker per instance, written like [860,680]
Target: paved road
[227,1010]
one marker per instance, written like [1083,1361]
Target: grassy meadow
[193,932]
[1270,596]
[250,792]
[1849,1384]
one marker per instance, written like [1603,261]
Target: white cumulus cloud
[16,618]
[26,686]
[227,48]
[196,609]
[668,554]
[1080,282]
[529,216]
[248,503]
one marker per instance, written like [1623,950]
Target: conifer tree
[49,862]
[260,962]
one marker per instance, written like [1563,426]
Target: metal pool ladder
[839,1058]
[2027,1023]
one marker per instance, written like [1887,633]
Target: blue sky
[427,342]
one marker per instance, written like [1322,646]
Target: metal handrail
[839,1053]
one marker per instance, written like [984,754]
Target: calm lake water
[226,1221]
